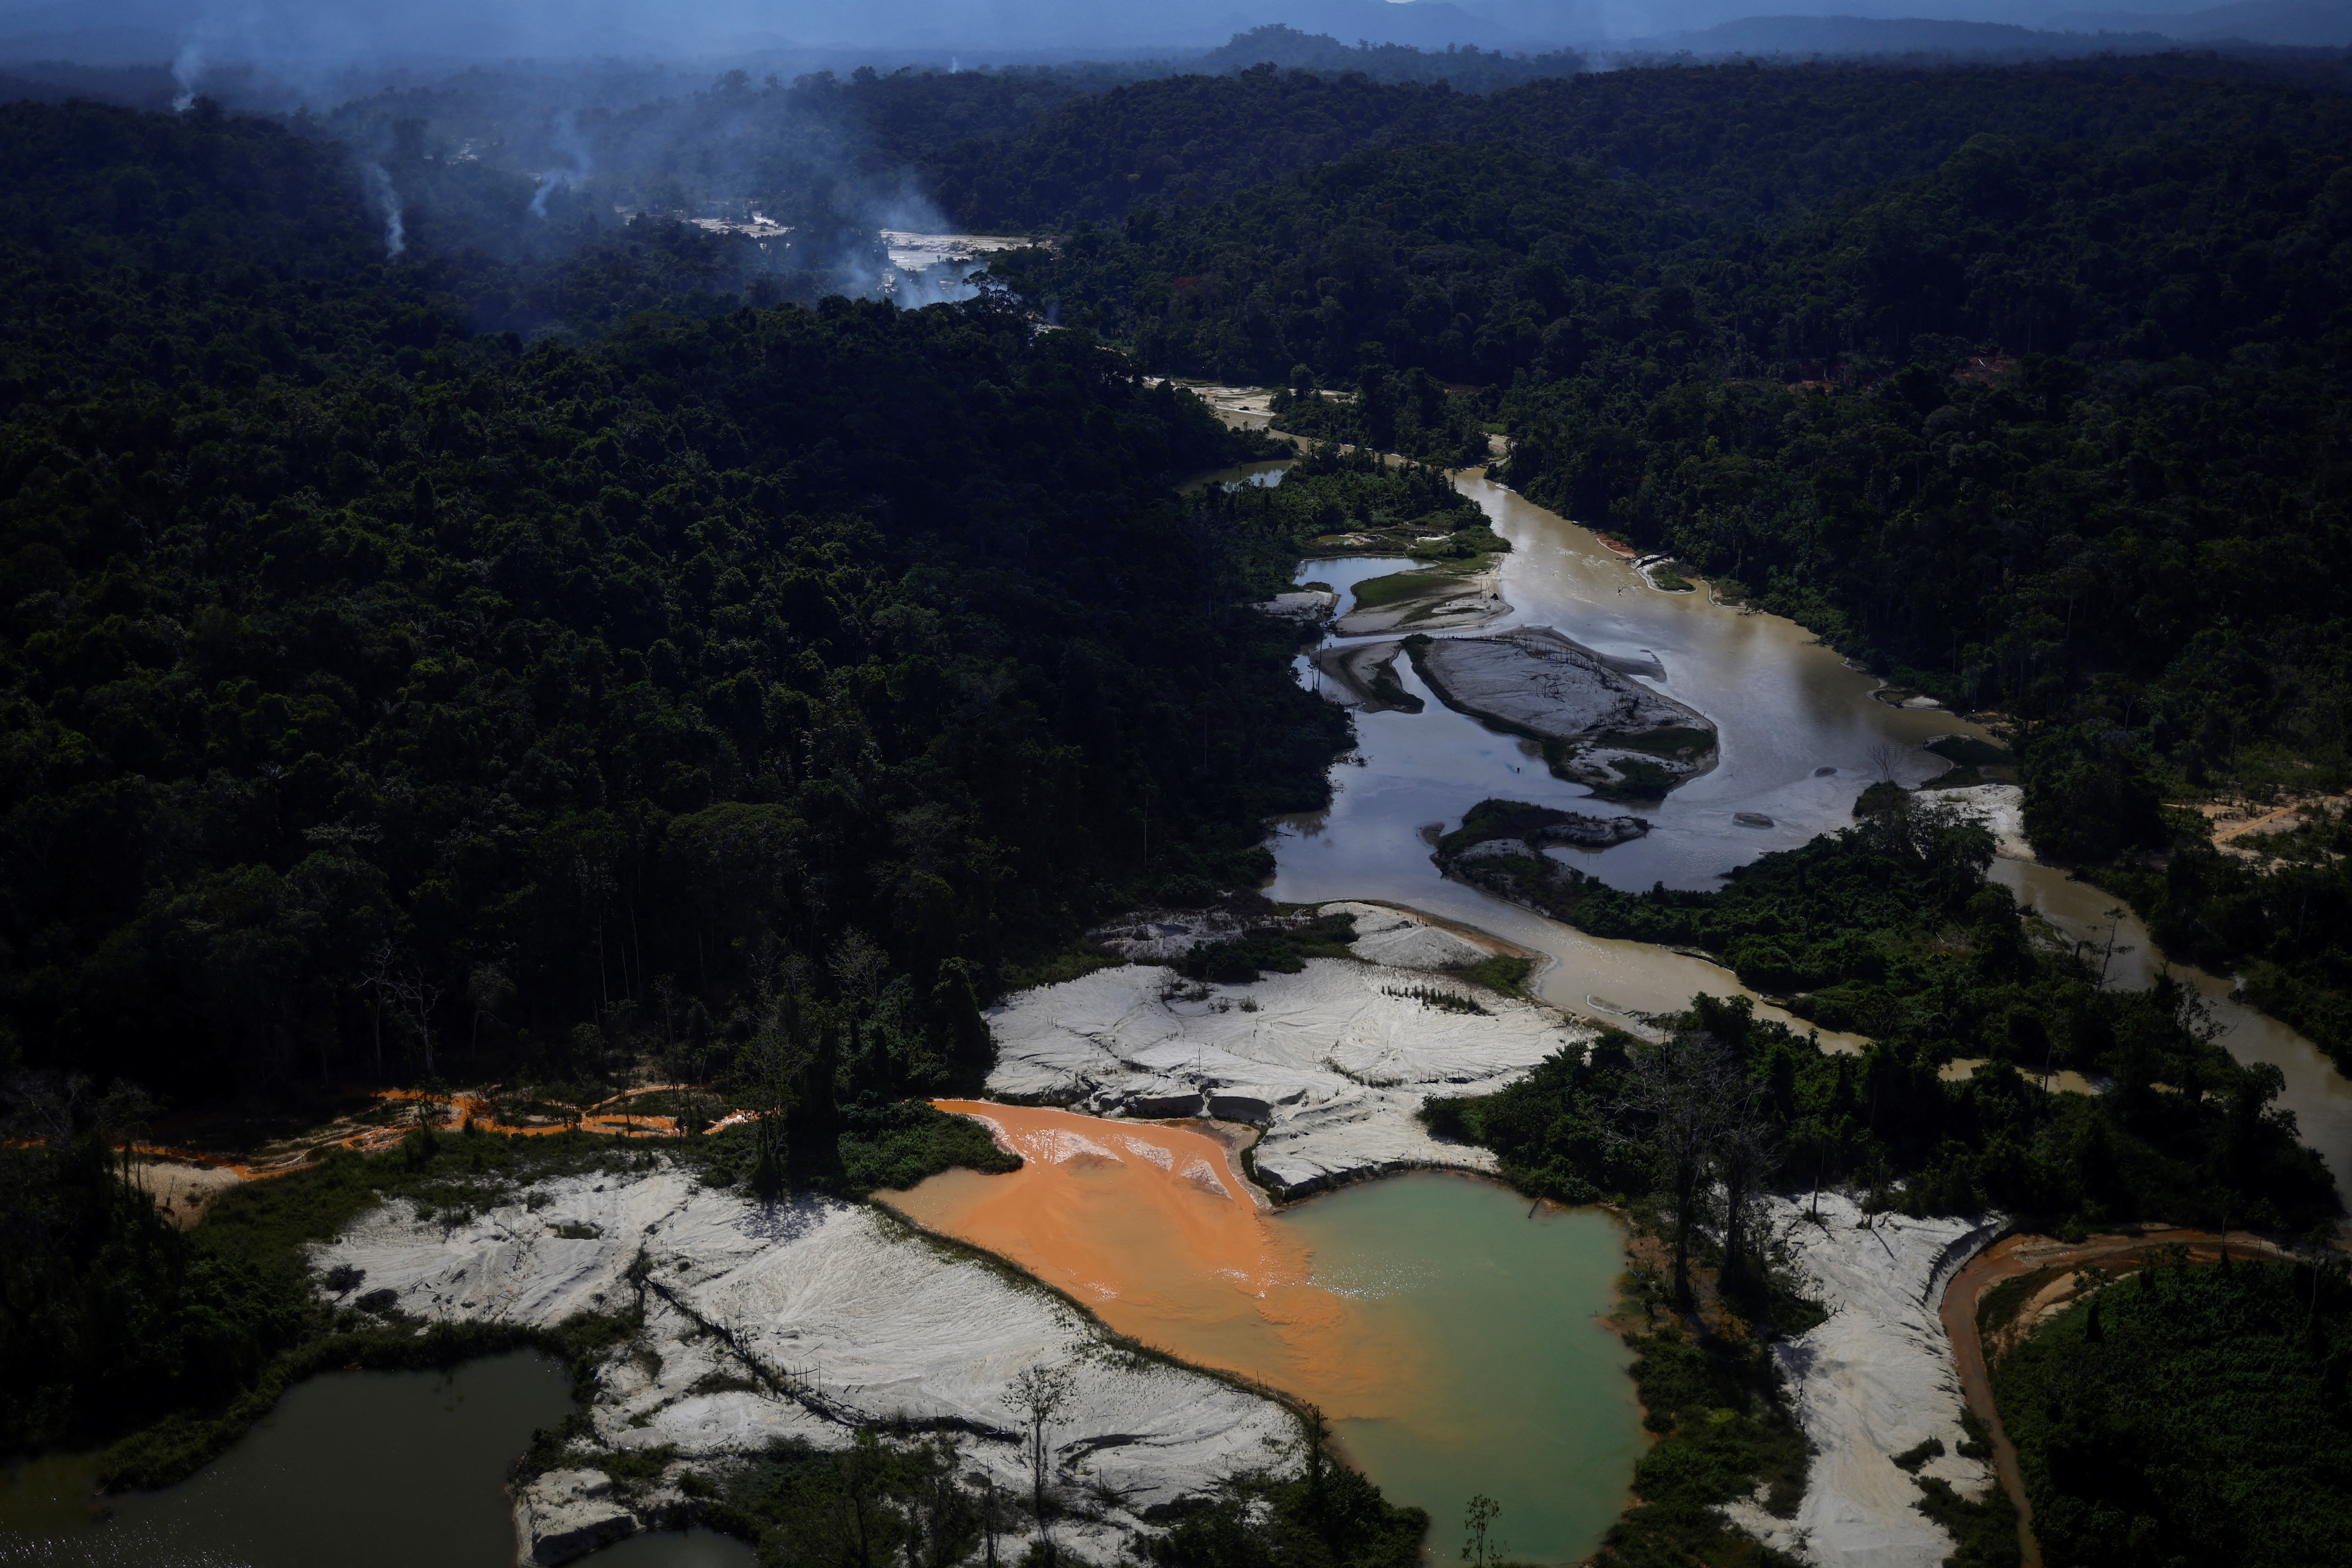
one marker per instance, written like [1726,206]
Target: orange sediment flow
[600,1118]
[1151,1227]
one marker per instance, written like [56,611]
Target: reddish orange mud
[1154,1229]
[610,1117]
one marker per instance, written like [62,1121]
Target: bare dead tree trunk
[1672,1114]
[380,977]
[1744,1153]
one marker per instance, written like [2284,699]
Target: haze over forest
[1254,788]
[342,33]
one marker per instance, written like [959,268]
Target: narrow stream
[2319,1096]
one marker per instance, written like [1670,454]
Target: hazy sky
[358,30]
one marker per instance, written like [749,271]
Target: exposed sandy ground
[1537,682]
[1332,1062]
[2233,821]
[1351,668]
[1470,599]
[800,1319]
[2017,1255]
[911,251]
[1311,604]
[1242,407]
[183,1190]
[1875,1380]
[203,1175]
[2002,809]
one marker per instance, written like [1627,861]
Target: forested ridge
[1732,138]
[574,674]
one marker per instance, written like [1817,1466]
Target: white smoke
[567,139]
[387,201]
[188,69]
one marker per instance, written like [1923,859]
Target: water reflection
[363,1469]
[1341,574]
[1786,708]
[675,1549]
[2319,1096]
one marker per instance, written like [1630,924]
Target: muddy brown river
[1801,736]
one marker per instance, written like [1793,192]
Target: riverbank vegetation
[2274,914]
[1891,930]
[2028,407]
[1334,502]
[2189,1414]
[1724,1434]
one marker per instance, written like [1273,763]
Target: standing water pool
[362,1470]
[1451,1336]
[1525,1397]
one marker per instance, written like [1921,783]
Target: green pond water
[362,1469]
[1522,1395]
[1527,1400]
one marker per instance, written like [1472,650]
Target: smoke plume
[387,201]
[188,69]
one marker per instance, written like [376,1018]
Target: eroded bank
[1450,1330]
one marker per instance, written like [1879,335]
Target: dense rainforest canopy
[353,655]
[460,616]
[2038,410]
[2189,1415]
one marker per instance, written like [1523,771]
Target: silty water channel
[1800,734]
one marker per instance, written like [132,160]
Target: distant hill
[1852,35]
[1470,68]
[54,81]
[2307,22]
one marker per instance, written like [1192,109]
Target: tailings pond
[363,1469]
[1451,1334]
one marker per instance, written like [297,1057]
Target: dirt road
[2015,1256]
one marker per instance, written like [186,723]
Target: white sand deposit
[1332,1062]
[184,1189]
[1876,1380]
[1311,604]
[1402,940]
[1356,674]
[2000,807]
[857,1315]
